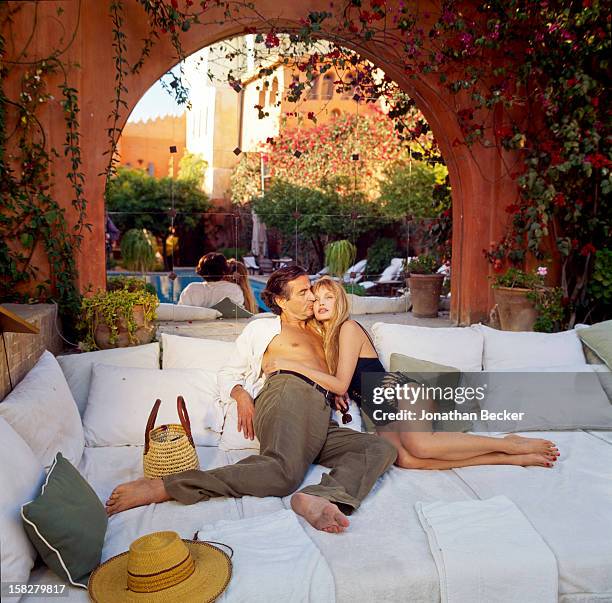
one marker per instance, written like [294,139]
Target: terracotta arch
[479,189]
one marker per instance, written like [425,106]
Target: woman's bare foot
[136,494]
[535,459]
[319,512]
[521,445]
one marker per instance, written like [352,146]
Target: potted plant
[524,303]
[138,250]
[340,256]
[119,318]
[425,286]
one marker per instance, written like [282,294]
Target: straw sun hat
[162,567]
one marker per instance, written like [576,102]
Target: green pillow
[67,523]
[229,309]
[598,338]
[435,375]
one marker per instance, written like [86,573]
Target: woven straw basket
[169,448]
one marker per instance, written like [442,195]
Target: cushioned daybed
[385,555]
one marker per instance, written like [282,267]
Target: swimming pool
[169,291]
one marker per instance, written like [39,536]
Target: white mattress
[384,556]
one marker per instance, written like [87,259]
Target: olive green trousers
[292,423]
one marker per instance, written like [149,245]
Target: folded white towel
[486,551]
[274,560]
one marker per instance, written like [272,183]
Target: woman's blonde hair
[238,273]
[330,329]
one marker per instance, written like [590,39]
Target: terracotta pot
[425,290]
[516,312]
[144,334]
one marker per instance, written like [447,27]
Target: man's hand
[246,411]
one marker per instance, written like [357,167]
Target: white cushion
[362,304]
[21,475]
[43,412]
[175,312]
[390,273]
[232,439]
[526,349]
[77,367]
[551,398]
[193,352]
[460,347]
[121,398]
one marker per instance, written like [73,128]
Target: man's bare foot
[532,460]
[319,512]
[520,445]
[136,494]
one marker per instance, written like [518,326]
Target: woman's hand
[342,402]
[276,364]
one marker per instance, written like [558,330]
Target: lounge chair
[355,273]
[387,279]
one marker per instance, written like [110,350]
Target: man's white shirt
[208,294]
[244,368]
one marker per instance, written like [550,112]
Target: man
[213,269]
[291,417]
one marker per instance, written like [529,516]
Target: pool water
[169,291]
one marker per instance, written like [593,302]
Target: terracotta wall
[146,144]
[480,189]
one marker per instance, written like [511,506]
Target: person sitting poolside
[213,269]
[238,273]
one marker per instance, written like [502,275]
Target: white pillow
[460,347]
[527,349]
[77,367]
[553,398]
[193,352]
[43,412]
[231,438]
[175,312]
[366,304]
[121,399]
[21,475]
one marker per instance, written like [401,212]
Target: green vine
[29,215]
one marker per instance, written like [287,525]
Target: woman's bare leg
[457,446]
[419,440]
[406,460]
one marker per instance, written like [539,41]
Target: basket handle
[151,423]
[184,418]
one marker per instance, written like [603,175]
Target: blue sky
[154,103]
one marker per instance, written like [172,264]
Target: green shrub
[380,254]
[355,289]
[131,283]
[233,252]
[340,256]
[600,287]
[423,264]
[138,250]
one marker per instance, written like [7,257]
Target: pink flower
[542,271]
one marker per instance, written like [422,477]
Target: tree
[406,189]
[318,215]
[137,200]
[192,167]
[352,150]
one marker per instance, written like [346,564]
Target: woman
[237,273]
[349,351]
